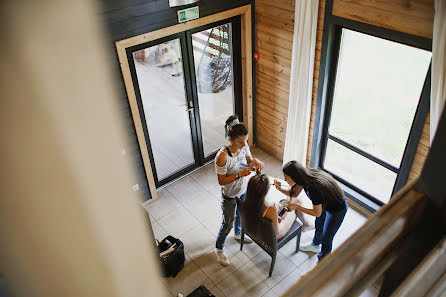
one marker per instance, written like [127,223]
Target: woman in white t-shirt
[233,164]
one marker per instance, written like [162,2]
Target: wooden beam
[423,279]
[338,273]
[247,68]
[403,16]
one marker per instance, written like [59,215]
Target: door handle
[192,112]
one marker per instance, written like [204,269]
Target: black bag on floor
[201,291]
[172,257]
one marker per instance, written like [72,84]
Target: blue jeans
[326,227]
[229,208]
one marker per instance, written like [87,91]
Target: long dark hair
[316,179]
[236,130]
[258,187]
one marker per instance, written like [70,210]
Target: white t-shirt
[233,166]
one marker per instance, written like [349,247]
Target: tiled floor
[190,210]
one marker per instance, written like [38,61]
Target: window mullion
[364,153]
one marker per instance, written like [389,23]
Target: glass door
[217,84]
[186,88]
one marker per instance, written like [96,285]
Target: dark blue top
[331,205]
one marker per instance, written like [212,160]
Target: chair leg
[298,239]
[273,261]
[242,237]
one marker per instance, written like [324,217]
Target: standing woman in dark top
[329,205]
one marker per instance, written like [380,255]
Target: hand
[258,164]
[292,206]
[277,184]
[246,171]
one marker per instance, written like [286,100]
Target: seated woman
[256,205]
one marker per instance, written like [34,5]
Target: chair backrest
[258,228]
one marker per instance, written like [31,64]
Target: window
[374,89]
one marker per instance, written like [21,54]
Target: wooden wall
[274,25]
[274,41]
[274,28]
[127,18]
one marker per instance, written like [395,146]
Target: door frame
[121,46]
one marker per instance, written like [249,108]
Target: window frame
[331,42]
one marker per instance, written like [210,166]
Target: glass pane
[213,68]
[360,171]
[378,85]
[160,77]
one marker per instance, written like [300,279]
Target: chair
[264,235]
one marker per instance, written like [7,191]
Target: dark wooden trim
[415,134]
[324,100]
[363,153]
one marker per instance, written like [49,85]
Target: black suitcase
[174,262]
[201,291]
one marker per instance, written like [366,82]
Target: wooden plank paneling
[274,27]
[273,11]
[274,22]
[409,16]
[274,39]
[262,77]
[272,87]
[285,34]
[279,76]
[274,48]
[274,42]
[320,25]
[287,5]
[422,151]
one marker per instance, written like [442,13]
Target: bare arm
[287,191]
[227,179]
[316,211]
[254,162]
[271,214]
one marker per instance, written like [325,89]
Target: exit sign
[188,14]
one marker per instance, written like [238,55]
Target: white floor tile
[216,292]
[164,204]
[271,293]
[158,231]
[309,264]
[185,190]
[204,207]
[250,250]
[282,268]
[187,280]
[197,241]
[212,223]
[256,152]
[214,270]
[243,282]
[286,283]
[178,222]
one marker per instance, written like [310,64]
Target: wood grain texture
[274,42]
[366,250]
[408,16]
[274,27]
[320,26]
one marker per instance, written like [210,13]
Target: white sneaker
[310,248]
[246,238]
[221,257]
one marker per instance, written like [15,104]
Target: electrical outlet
[136,187]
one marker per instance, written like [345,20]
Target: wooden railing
[367,253]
